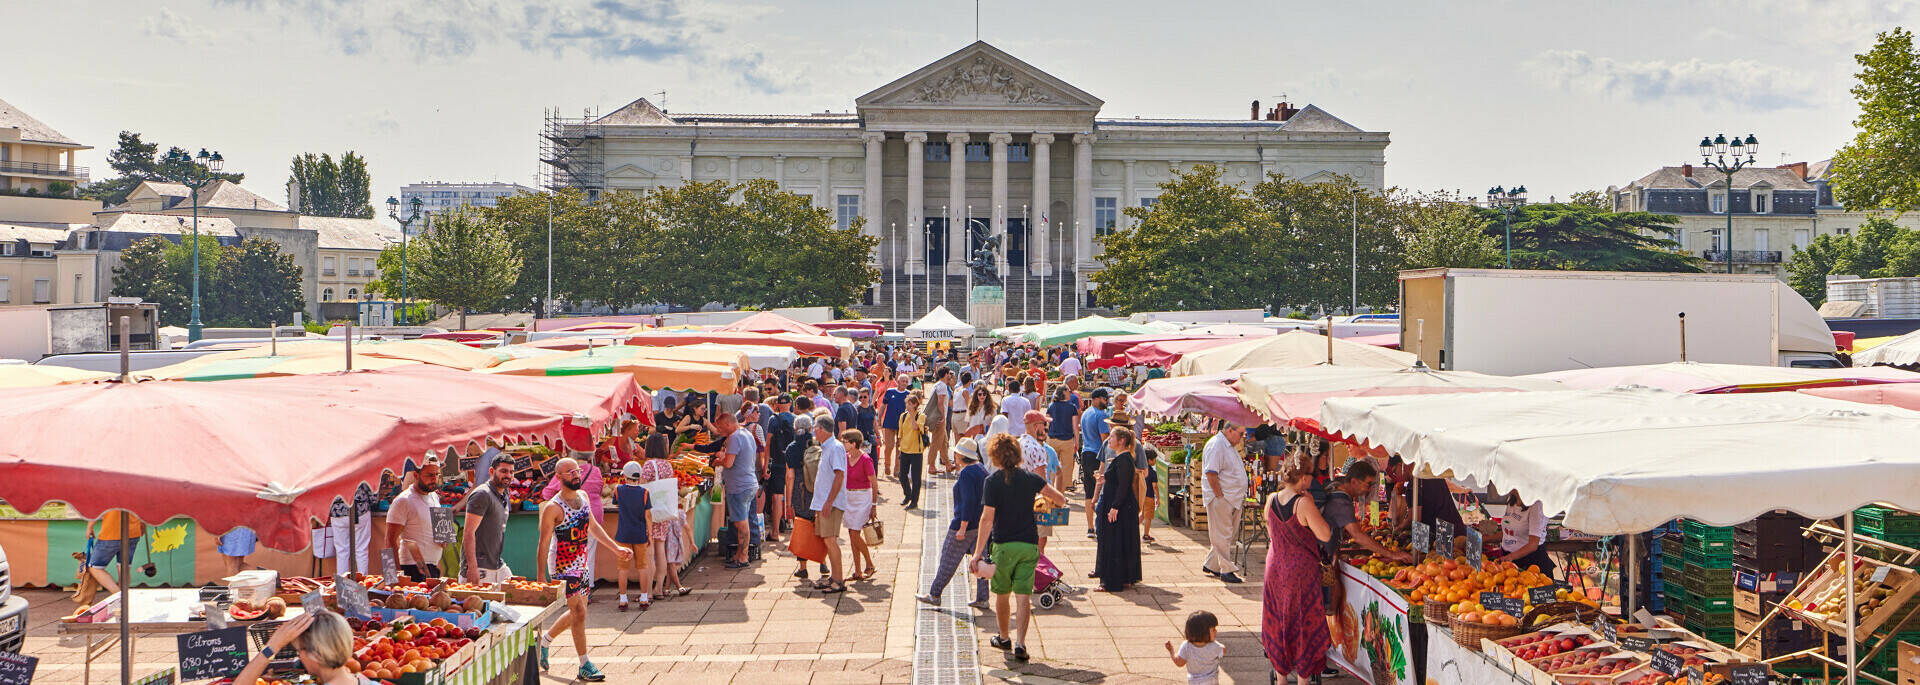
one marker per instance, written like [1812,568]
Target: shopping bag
[804,543]
[665,496]
[874,534]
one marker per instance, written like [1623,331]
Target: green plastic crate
[1706,582]
[1696,530]
[1887,521]
[1711,605]
[1699,621]
[1712,560]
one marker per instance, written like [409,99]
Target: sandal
[1147,538]
[802,573]
[998,642]
[682,591]
[821,584]
[842,587]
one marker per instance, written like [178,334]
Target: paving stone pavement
[761,626]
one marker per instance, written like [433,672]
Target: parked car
[13,611]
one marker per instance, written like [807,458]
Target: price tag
[353,598]
[547,467]
[1667,662]
[1474,555]
[469,463]
[17,669]
[1638,644]
[522,463]
[1443,540]
[1511,606]
[1541,595]
[1880,574]
[389,568]
[1606,628]
[1749,674]
[1422,537]
[213,654]
[442,524]
[313,603]
[1695,677]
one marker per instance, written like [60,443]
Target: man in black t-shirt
[1007,511]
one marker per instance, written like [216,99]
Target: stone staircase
[1025,300]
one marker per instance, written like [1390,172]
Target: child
[1200,654]
[636,515]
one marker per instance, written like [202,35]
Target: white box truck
[1512,322]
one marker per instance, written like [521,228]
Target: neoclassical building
[977,138]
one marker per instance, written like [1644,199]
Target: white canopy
[1288,350]
[758,356]
[1901,351]
[1625,460]
[939,324]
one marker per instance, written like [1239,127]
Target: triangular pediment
[979,75]
[630,171]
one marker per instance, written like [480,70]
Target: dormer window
[1717,201]
[1762,201]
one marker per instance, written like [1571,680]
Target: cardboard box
[1909,668]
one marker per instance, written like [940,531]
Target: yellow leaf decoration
[169,538]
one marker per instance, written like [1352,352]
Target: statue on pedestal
[985,258]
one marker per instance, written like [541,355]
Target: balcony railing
[11,167]
[353,272]
[1743,256]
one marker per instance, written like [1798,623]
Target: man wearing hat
[1033,457]
[968,490]
[1093,434]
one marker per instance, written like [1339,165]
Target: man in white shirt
[830,498]
[814,370]
[410,525]
[1015,406]
[1071,366]
[1225,490]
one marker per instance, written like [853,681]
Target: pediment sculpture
[981,78]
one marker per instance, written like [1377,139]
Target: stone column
[824,196]
[1083,199]
[1039,225]
[780,172]
[686,169]
[998,157]
[957,214]
[870,199]
[916,203]
[733,175]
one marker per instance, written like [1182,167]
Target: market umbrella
[208,369]
[1864,344]
[1163,326]
[1112,346]
[1697,377]
[1294,395]
[1902,395]
[806,345]
[437,352]
[1165,352]
[758,356]
[852,329]
[1625,460]
[1287,350]
[650,371]
[1208,395]
[1069,331]
[31,375]
[770,322]
[939,324]
[1900,351]
[1232,329]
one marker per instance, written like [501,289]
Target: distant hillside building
[437,195]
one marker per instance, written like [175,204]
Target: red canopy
[807,345]
[769,322]
[1112,346]
[272,453]
[1166,352]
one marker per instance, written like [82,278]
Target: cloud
[1741,82]
[171,26]
[611,30]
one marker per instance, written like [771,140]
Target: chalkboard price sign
[1606,629]
[1422,537]
[389,568]
[1749,674]
[1444,540]
[522,463]
[442,525]
[1511,606]
[353,598]
[1695,677]
[17,669]
[547,467]
[1638,644]
[213,654]
[1667,662]
[1474,555]
[313,603]
[1541,595]
[469,463]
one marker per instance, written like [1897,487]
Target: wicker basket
[1435,610]
[1468,635]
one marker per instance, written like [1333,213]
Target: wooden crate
[1903,581]
[1909,668]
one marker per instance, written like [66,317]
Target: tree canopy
[464,260]
[1879,248]
[1879,169]
[136,161]
[249,284]
[1580,237]
[328,188]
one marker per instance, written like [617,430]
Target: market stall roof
[1207,395]
[1625,460]
[270,454]
[851,326]
[477,338]
[1288,395]
[1164,353]
[1900,351]
[31,376]
[210,369]
[1163,326]
[1902,395]
[758,356]
[1287,350]
[1388,340]
[806,345]
[940,324]
[426,351]
[771,322]
[1112,346]
[646,366]
[1005,332]
[1232,329]
[1069,331]
[1697,377]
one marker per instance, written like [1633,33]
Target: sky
[1558,96]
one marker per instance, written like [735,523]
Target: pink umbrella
[1209,395]
[1295,394]
[1112,346]
[1902,395]
[1165,353]
[769,322]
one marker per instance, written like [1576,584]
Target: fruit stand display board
[1372,640]
[1450,664]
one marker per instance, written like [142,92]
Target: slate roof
[167,224]
[33,234]
[1671,178]
[336,233]
[218,194]
[33,130]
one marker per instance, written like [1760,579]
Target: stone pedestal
[987,308]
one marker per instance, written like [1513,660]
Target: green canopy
[1067,332]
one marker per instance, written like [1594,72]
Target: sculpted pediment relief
[979,75]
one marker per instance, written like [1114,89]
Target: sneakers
[980,604]
[928,599]
[1000,642]
[1230,578]
[544,644]
[590,673]
[623,602]
[1208,571]
[1020,653]
[1092,535]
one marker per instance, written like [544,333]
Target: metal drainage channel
[945,651]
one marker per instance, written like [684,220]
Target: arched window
[353,293]
[326,295]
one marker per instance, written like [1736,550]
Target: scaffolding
[572,150]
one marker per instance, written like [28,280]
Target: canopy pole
[1329,341]
[273,337]
[1631,567]
[1853,615]
[1683,336]
[126,361]
[126,557]
[349,344]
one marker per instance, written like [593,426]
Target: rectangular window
[326,266]
[1760,202]
[42,290]
[1148,201]
[937,152]
[1106,215]
[1017,152]
[6,290]
[1760,240]
[1718,203]
[1802,238]
[846,209]
[977,152]
[6,249]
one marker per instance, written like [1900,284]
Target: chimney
[1256,110]
[1687,170]
[1799,169]
[293,195]
[1286,111]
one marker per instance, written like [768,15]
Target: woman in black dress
[1117,561]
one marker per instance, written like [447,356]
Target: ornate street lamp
[1727,157]
[393,210]
[195,172]
[1508,202]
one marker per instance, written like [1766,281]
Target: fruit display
[691,470]
[1472,612]
[1567,661]
[1537,645]
[385,651]
[523,591]
[1605,667]
[1878,588]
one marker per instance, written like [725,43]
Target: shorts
[740,505]
[576,585]
[238,542]
[827,522]
[104,551]
[1044,531]
[775,482]
[1089,472]
[1013,564]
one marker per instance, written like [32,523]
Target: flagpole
[948,220]
[1076,272]
[893,233]
[1046,239]
[1026,256]
[966,255]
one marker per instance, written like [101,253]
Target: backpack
[812,459]
[933,412]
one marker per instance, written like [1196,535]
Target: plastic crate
[1706,582]
[1673,556]
[1887,521]
[1698,621]
[1696,530]
[1712,605]
[1717,559]
[1709,544]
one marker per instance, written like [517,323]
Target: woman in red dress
[1293,626]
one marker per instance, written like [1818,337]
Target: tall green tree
[1808,268]
[526,218]
[329,188]
[1328,246]
[249,284]
[1880,169]
[1577,237]
[1873,245]
[1451,235]
[136,161]
[1592,198]
[464,260]
[1195,248]
[797,255]
[259,285]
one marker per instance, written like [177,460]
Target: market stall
[806,345]
[1698,377]
[771,322]
[1289,349]
[1069,331]
[939,324]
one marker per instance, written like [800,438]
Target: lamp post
[393,210]
[195,172]
[1508,202]
[1714,155]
